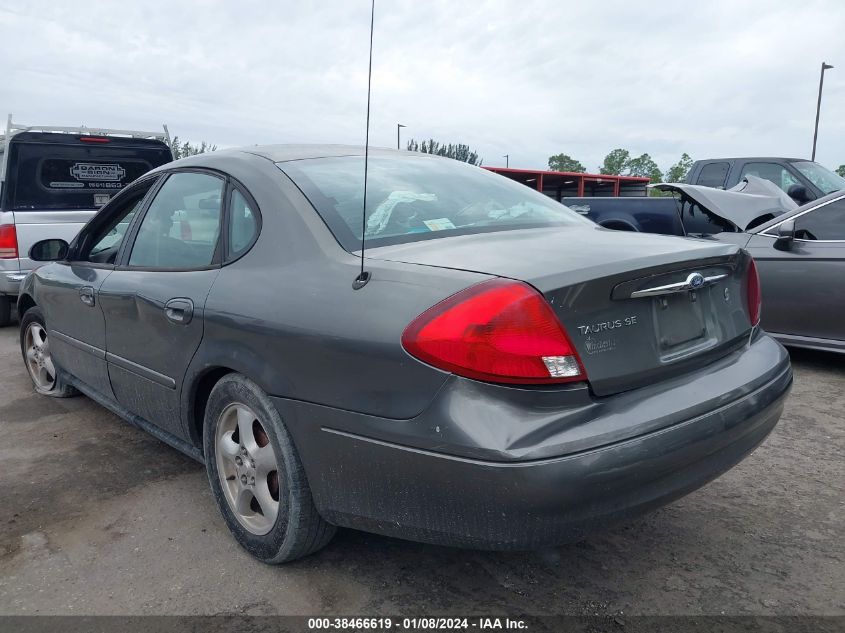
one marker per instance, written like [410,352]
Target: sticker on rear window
[97,171]
[440,224]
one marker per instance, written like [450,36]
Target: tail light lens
[753,294]
[8,242]
[496,331]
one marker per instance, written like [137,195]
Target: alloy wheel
[38,359]
[247,468]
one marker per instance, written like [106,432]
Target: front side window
[104,242]
[415,197]
[182,225]
[824,223]
[778,174]
[821,177]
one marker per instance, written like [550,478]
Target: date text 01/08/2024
[416,623]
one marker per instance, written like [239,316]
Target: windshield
[410,198]
[821,177]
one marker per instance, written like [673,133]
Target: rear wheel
[256,475]
[35,347]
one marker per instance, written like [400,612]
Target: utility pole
[399,126]
[825,66]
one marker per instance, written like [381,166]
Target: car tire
[5,311]
[240,424]
[36,354]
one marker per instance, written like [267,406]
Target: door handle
[179,311]
[86,296]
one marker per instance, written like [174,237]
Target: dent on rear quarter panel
[286,314]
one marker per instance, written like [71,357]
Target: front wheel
[35,347]
[256,475]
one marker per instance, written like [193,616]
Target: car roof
[281,153]
[760,159]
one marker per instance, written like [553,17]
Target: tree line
[458,151]
[620,162]
[181,149]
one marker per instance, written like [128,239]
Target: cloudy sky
[519,77]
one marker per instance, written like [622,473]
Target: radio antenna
[364,276]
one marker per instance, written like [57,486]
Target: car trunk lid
[637,307]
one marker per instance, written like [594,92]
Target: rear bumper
[10,281]
[426,495]
[11,276]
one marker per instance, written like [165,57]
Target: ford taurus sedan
[506,374]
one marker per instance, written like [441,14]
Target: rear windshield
[410,198]
[63,177]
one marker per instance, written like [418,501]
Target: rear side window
[824,223]
[53,176]
[713,175]
[243,225]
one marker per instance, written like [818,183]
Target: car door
[153,301]
[68,292]
[803,291]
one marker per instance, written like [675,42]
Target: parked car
[690,210]
[52,181]
[504,374]
[801,271]
[801,259]
[802,179]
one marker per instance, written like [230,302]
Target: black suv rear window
[54,177]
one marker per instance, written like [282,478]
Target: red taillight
[497,331]
[8,242]
[753,294]
[94,139]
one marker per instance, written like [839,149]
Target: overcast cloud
[523,78]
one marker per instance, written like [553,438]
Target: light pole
[399,126]
[507,158]
[825,66]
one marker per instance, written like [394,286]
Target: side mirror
[786,233]
[51,250]
[798,193]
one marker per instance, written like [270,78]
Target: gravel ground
[97,517]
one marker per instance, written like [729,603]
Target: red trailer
[563,184]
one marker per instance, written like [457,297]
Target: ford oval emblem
[695,280]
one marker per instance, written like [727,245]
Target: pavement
[96,517]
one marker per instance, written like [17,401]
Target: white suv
[53,179]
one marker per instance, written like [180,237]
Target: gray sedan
[496,371]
